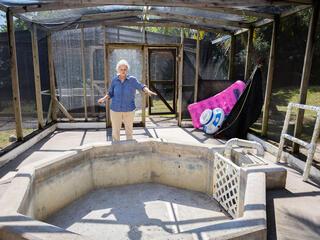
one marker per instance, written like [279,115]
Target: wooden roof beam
[50,7]
[3,8]
[294,10]
[241,12]
[69,4]
[145,24]
[205,3]
[199,19]
[111,15]
[264,22]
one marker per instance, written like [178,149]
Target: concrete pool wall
[61,181]
[40,190]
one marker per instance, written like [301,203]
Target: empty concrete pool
[148,189]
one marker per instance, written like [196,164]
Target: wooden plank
[310,47]
[91,51]
[262,23]
[144,40]
[143,82]
[148,77]
[199,19]
[63,110]
[176,81]
[111,15]
[249,53]
[52,80]
[65,4]
[49,112]
[240,32]
[84,81]
[294,10]
[96,86]
[150,23]
[180,79]
[196,77]
[271,68]
[241,12]
[36,71]
[138,46]
[3,8]
[14,76]
[107,77]
[231,56]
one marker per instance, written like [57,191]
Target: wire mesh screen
[240,56]
[123,35]
[189,59]
[68,71]
[7,120]
[134,58]
[213,61]
[94,71]
[162,76]
[164,35]
[26,82]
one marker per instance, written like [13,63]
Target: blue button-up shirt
[123,94]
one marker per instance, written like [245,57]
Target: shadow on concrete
[129,206]
[272,196]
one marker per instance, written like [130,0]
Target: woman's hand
[101,100]
[149,92]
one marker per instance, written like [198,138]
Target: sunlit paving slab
[139,211]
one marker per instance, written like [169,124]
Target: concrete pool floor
[292,213]
[153,210]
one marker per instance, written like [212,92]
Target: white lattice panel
[226,184]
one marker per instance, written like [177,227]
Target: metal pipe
[242,143]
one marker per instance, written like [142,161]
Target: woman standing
[122,92]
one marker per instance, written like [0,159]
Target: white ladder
[310,146]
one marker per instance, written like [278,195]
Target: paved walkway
[293,213]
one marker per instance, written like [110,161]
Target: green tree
[19,24]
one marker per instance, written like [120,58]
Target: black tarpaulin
[246,110]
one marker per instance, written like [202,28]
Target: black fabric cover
[246,110]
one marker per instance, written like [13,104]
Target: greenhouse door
[162,75]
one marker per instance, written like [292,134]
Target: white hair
[122,62]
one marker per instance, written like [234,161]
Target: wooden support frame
[65,4]
[144,98]
[63,109]
[199,19]
[49,112]
[231,56]
[240,12]
[249,54]
[310,47]
[132,46]
[270,76]
[173,50]
[14,76]
[106,76]
[36,70]
[52,80]
[196,79]
[180,81]
[84,77]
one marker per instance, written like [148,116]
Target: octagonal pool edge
[35,194]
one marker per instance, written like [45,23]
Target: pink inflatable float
[225,100]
